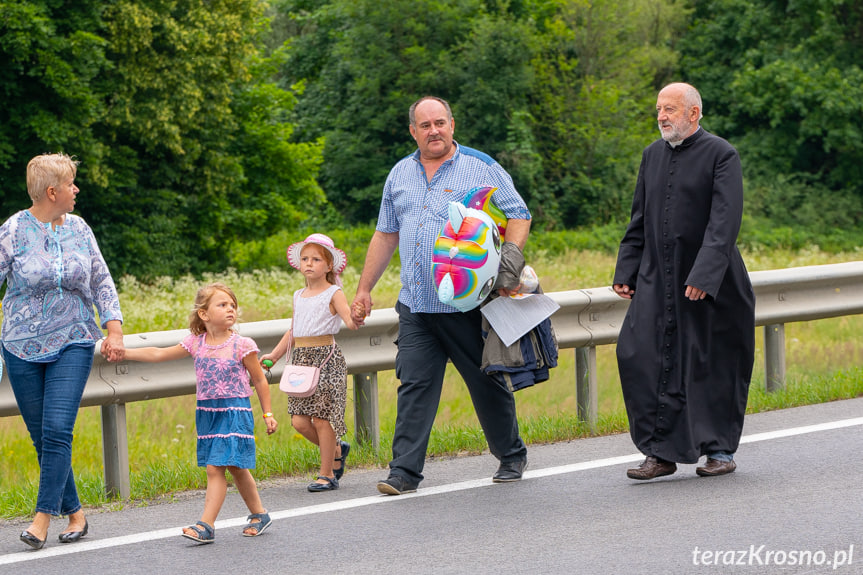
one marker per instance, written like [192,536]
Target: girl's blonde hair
[202,301]
[328,257]
[48,170]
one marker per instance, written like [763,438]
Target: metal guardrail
[586,318]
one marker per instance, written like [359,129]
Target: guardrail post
[366,413]
[115,451]
[774,357]
[586,384]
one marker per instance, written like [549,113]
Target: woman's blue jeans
[48,397]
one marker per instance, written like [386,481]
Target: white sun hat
[339,258]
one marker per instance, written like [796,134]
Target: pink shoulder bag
[302,380]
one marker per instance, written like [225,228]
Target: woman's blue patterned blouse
[53,280]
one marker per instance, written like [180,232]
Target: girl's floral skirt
[226,432]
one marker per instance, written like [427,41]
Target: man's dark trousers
[425,342]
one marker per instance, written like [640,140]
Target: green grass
[823,359]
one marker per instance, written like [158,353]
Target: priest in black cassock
[686,348]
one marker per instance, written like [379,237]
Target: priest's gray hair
[692,98]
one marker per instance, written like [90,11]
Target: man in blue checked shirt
[413,211]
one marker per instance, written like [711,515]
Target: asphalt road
[793,507]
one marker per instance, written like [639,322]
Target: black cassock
[685,365]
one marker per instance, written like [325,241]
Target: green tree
[361,64]
[595,85]
[559,91]
[170,105]
[49,72]
[782,81]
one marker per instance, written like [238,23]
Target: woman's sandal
[204,534]
[331,484]
[263,521]
[346,448]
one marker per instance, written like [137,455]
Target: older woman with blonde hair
[55,275]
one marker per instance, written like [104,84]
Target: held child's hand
[111,351]
[360,309]
[272,424]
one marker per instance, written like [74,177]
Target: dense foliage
[212,132]
[783,81]
[172,111]
[559,91]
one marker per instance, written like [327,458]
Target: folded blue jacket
[524,363]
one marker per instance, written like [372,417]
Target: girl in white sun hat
[319,310]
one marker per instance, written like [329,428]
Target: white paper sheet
[512,317]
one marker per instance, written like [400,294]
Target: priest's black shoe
[714,467]
[651,468]
[509,471]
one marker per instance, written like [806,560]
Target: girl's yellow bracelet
[268,414]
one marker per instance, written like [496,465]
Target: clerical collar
[678,142]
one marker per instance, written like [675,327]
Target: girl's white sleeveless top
[312,315]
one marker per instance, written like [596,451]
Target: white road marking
[82,546]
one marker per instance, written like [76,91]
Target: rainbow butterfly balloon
[466,257]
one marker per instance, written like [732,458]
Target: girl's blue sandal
[204,534]
[259,526]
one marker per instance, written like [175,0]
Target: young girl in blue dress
[225,362]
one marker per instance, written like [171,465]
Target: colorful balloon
[466,257]
[480,199]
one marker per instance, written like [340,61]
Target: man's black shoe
[396,485]
[509,471]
